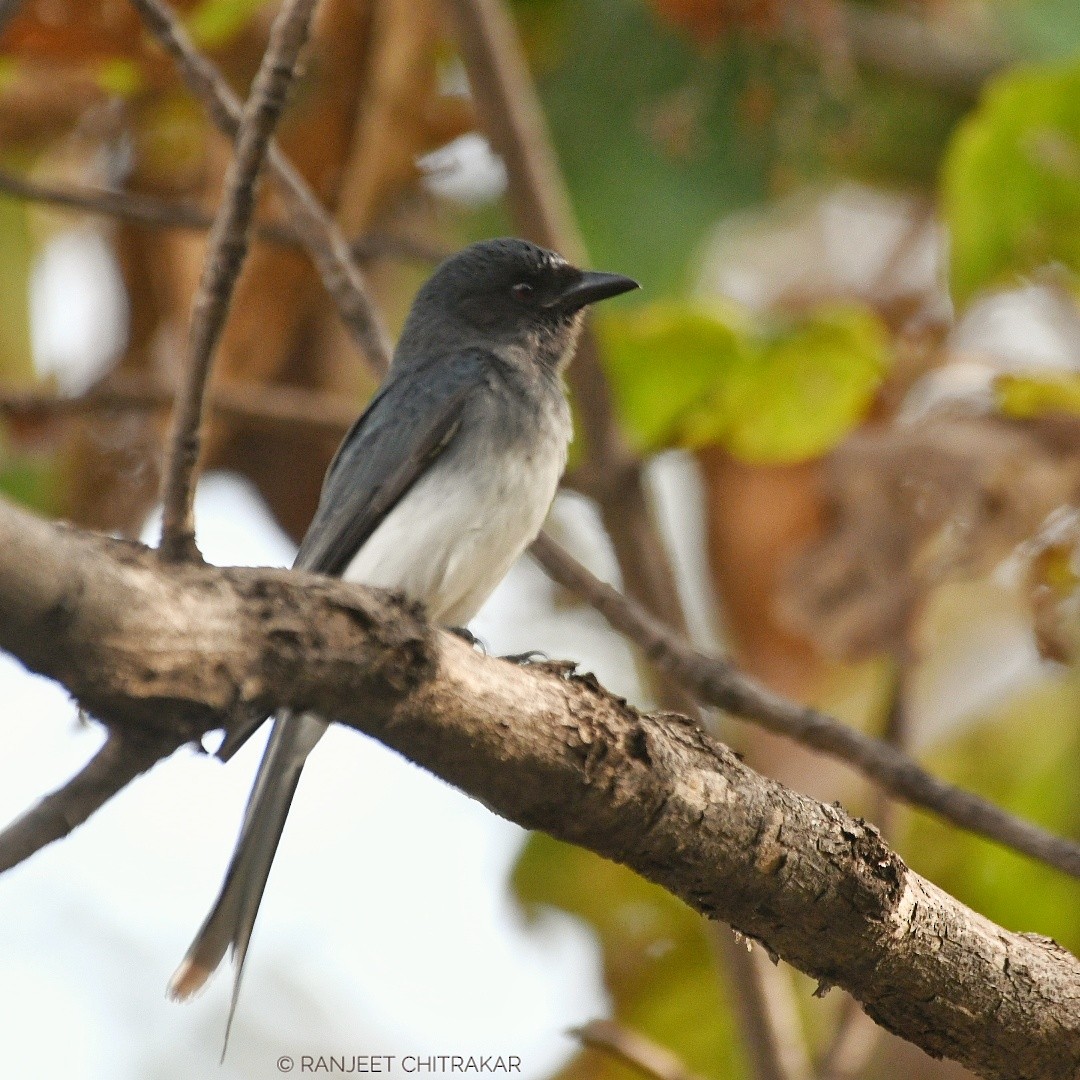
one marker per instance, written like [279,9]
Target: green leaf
[1027,396]
[1011,180]
[808,387]
[658,962]
[692,375]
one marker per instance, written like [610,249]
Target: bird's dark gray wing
[405,428]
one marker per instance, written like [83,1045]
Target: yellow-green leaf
[808,387]
[693,375]
[30,479]
[666,362]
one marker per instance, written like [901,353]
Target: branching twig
[334,262]
[149,210]
[716,682]
[634,1049]
[508,105]
[228,246]
[313,225]
[113,767]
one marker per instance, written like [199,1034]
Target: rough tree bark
[169,652]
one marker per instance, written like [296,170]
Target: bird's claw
[468,637]
[533,656]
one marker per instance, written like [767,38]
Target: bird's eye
[522,291]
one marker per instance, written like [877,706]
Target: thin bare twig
[316,230]
[149,210]
[634,1049]
[126,205]
[113,767]
[763,1001]
[714,681]
[228,246]
[271,407]
[848,1053]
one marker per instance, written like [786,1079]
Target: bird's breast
[457,531]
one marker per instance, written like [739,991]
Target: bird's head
[507,295]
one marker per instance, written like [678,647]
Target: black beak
[594,285]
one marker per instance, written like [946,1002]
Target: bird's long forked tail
[232,918]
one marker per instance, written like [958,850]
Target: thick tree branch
[176,649]
[714,681]
[227,249]
[307,217]
[710,680]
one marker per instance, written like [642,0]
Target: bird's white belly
[456,533]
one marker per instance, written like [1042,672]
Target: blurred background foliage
[858,228]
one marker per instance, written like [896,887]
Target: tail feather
[232,917]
